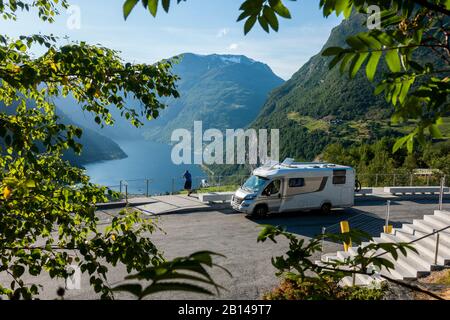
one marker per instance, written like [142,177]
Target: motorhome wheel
[326,208]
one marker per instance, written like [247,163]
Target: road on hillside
[234,235]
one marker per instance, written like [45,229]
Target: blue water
[146,160]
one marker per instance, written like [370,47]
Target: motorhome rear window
[340,172]
[339,180]
[296,182]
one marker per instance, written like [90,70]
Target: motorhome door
[272,195]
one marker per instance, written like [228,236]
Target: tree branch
[432,6]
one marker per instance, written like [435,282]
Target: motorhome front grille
[238,200]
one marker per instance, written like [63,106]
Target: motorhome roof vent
[288,162]
[270,164]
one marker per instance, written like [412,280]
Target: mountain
[96,147]
[318,106]
[223,91]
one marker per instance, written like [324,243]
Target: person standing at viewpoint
[188,183]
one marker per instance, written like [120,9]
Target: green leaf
[153,7]
[18,271]
[263,23]
[372,64]
[128,7]
[435,132]
[356,43]
[243,15]
[31,184]
[270,16]
[249,24]
[332,51]
[335,61]
[173,286]
[135,289]
[357,62]
[393,60]
[280,9]
[166,5]
[345,61]
[400,143]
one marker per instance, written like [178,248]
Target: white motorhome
[295,186]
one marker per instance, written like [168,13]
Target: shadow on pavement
[310,224]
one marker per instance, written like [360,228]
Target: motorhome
[296,186]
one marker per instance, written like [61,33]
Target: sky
[197,26]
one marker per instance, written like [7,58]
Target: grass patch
[226,188]
[308,122]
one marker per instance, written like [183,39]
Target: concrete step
[442,213]
[422,231]
[359,281]
[342,255]
[413,263]
[405,268]
[439,221]
[328,256]
[428,246]
[429,226]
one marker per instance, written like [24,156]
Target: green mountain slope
[96,147]
[223,91]
[318,106]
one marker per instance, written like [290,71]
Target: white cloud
[222,32]
[233,46]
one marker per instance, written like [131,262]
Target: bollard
[345,228]
[323,234]
[437,250]
[387,227]
[441,194]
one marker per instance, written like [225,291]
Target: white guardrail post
[437,249]
[441,194]
[388,212]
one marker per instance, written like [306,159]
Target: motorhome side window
[339,176]
[296,182]
[273,188]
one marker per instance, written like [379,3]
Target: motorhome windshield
[254,183]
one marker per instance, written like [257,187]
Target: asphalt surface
[234,235]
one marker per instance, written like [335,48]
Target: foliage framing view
[47,207]
[417,90]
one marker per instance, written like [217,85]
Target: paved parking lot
[234,235]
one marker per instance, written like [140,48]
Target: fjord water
[146,160]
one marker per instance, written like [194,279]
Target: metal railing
[398,179]
[435,232]
[373,225]
[144,187]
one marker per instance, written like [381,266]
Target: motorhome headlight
[250,197]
